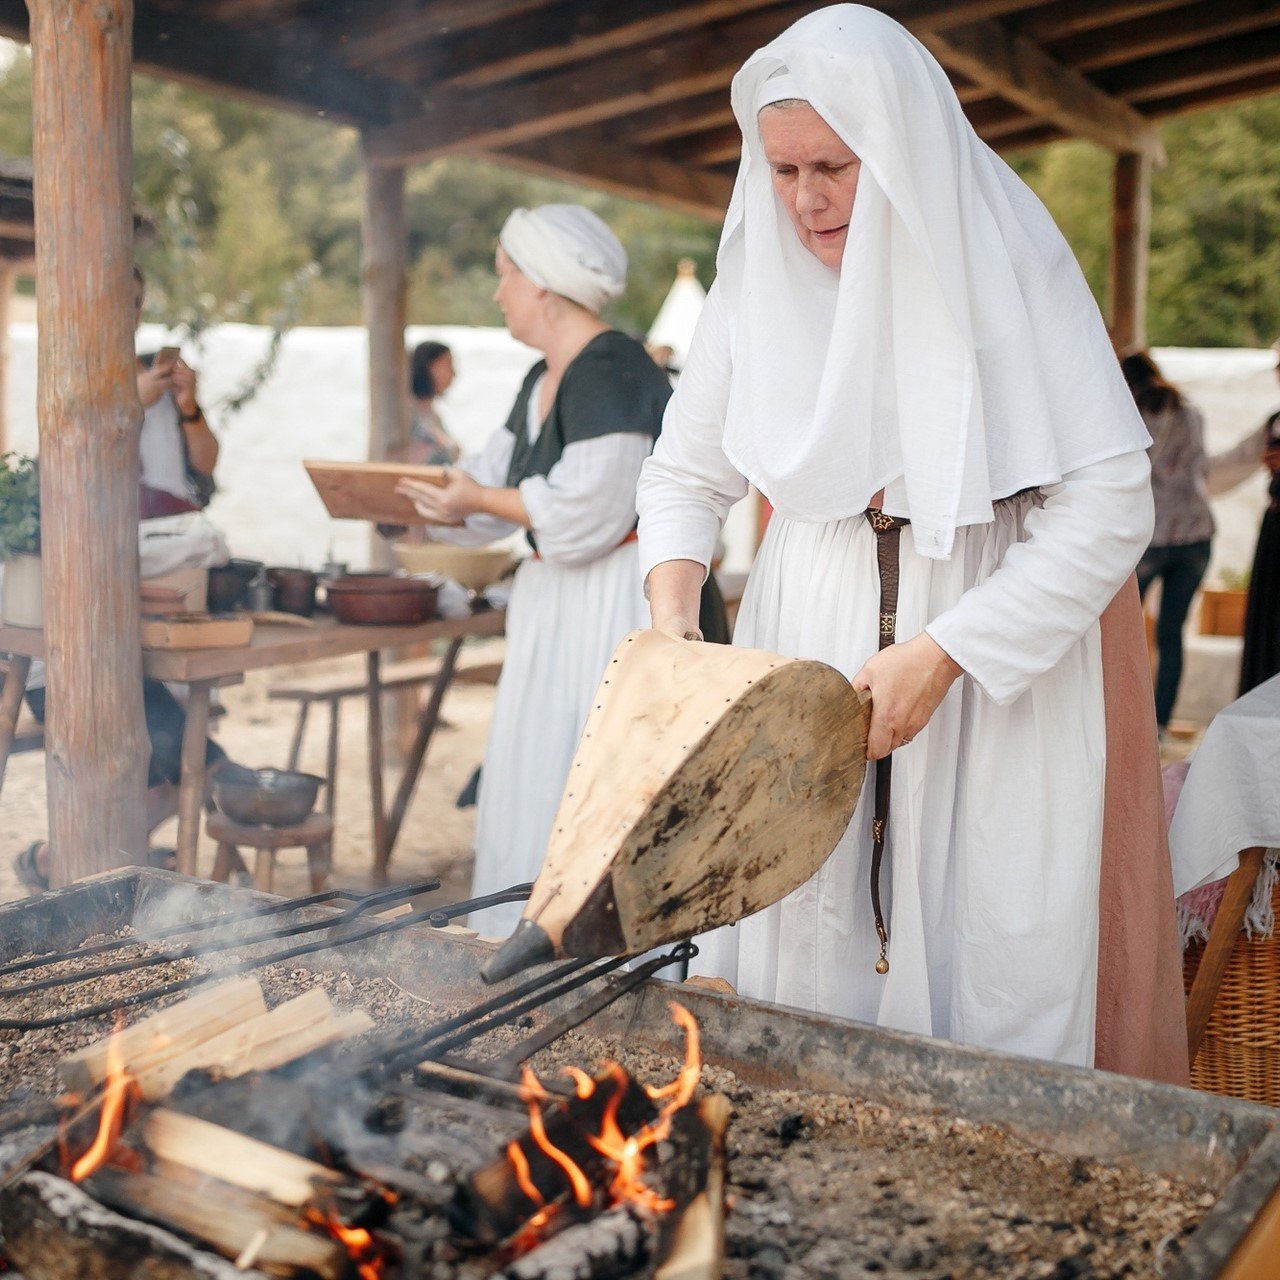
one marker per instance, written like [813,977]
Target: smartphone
[165,357]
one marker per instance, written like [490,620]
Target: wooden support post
[1130,240]
[90,420]
[385,293]
[8,273]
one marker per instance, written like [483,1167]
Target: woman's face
[519,299]
[815,176]
[441,370]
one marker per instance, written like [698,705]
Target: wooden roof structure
[633,97]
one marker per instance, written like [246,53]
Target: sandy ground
[436,837]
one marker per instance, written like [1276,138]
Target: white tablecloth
[1231,798]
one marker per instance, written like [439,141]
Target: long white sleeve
[487,466]
[687,486]
[1081,546]
[586,504]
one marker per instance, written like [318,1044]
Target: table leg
[381,846]
[191,775]
[1217,951]
[15,685]
[331,758]
[427,722]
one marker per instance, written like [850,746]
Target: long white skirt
[991,873]
[563,624]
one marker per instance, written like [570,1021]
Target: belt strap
[888,531]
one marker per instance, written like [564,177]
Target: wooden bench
[396,677]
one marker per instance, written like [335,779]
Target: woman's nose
[809,197]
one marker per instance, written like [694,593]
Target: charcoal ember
[790,1127]
[613,1244]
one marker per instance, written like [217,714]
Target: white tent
[678,316]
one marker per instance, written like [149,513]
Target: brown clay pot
[382,599]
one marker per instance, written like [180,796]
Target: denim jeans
[1180,570]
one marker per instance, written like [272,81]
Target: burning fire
[358,1242]
[626,1154]
[121,1089]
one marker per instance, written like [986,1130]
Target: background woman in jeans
[1179,550]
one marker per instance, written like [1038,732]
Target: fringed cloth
[1198,908]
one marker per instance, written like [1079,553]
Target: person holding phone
[177,450]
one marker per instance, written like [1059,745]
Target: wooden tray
[197,631]
[366,490]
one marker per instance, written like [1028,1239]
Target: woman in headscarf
[902,355]
[564,469]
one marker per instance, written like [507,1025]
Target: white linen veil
[957,357]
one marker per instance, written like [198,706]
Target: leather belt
[888,531]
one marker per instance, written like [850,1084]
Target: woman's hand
[449,503]
[184,387]
[675,590]
[1271,459]
[154,383]
[907,682]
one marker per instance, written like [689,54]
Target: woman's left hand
[907,682]
[449,503]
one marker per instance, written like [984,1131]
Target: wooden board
[367,490]
[197,631]
[709,783]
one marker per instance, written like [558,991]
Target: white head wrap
[569,250]
[958,355]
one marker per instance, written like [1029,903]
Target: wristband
[191,417]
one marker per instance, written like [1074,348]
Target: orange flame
[120,1089]
[358,1242]
[626,1154]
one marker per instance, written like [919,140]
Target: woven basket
[1240,1053]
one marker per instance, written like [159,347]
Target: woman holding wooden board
[902,355]
[564,469]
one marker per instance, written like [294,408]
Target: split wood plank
[174,1030]
[697,1248]
[237,1049]
[230,1224]
[235,1158]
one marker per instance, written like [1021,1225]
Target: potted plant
[20,540]
[1222,608]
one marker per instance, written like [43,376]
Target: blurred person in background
[1179,552]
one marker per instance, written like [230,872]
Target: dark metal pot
[265,797]
[229,585]
[382,599]
[295,590]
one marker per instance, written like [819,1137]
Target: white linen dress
[994,837]
[570,608]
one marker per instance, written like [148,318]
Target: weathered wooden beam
[1047,22]
[385,297]
[1025,75]
[1214,95]
[1190,69]
[1130,242]
[708,147]
[1038,135]
[1192,26]
[538,42]
[87,401]
[409,23]
[676,119]
[612,86]
[591,158]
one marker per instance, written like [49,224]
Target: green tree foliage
[1215,223]
[262,194]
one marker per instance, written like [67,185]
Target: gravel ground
[822,1187]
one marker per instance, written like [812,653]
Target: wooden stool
[314,834]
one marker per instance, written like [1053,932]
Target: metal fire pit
[1233,1148]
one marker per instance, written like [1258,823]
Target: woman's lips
[828,235]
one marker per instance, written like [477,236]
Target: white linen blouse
[1082,544]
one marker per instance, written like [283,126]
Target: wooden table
[274,646]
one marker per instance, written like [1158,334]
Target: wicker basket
[1240,1053]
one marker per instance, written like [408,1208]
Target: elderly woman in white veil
[564,469]
[903,356]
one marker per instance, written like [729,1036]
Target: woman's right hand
[678,627]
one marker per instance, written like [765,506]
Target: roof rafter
[593,157]
[1194,24]
[1021,72]
[1062,18]
[1222,61]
